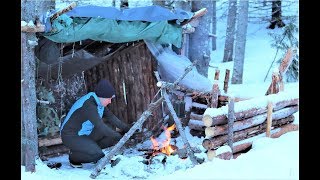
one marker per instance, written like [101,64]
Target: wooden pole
[269,119]
[180,128]
[226,81]
[231,118]
[215,94]
[62,11]
[216,74]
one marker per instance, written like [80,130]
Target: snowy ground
[268,159]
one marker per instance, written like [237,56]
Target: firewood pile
[270,115]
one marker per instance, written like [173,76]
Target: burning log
[217,141]
[250,122]
[218,116]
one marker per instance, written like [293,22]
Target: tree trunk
[214,25]
[240,46]
[200,39]
[30,11]
[230,32]
[276,19]
[185,5]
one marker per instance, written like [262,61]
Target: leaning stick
[102,163]
[62,11]
[180,128]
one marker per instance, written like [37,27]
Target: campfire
[164,147]
[161,146]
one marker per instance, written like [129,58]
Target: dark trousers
[85,149]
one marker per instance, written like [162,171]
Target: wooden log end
[209,132]
[207,144]
[211,154]
[207,120]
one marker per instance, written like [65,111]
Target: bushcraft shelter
[89,43]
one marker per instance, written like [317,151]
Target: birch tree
[30,11]
[201,40]
[230,32]
[240,45]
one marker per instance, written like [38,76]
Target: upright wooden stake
[216,74]
[215,94]
[226,81]
[231,119]
[269,119]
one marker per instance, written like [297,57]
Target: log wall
[130,71]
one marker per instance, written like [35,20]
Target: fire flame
[166,148]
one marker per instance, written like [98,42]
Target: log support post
[231,119]
[226,81]
[269,119]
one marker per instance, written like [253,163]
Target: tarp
[148,13]
[153,23]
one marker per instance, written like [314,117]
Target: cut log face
[207,120]
[211,154]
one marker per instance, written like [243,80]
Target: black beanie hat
[104,89]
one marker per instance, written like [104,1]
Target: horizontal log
[214,142]
[198,105]
[249,108]
[49,142]
[250,122]
[53,151]
[39,28]
[227,155]
[196,116]
[236,99]
[284,129]
[196,125]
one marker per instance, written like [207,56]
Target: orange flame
[166,148]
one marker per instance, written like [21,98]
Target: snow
[254,103]
[269,158]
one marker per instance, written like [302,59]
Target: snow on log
[214,142]
[250,122]
[196,124]
[196,116]
[250,108]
